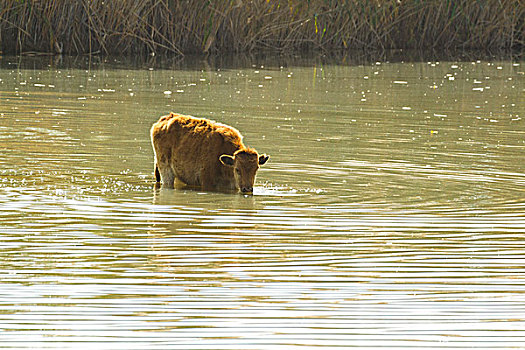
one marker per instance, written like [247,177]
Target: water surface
[391,212]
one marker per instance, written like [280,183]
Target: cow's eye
[238,171]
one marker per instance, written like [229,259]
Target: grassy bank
[196,26]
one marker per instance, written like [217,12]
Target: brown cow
[204,154]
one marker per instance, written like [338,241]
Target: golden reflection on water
[391,213]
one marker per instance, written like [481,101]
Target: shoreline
[181,28]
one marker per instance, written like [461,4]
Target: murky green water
[391,213]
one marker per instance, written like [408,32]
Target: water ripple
[390,215]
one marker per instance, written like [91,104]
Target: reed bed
[218,26]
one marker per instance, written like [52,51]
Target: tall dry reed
[192,26]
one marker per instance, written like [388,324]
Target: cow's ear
[263,158]
[226,159]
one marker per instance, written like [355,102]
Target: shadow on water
[268,60]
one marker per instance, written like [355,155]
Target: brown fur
[203,154]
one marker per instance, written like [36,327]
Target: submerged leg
[167,176]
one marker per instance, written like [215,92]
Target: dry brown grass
[193,26]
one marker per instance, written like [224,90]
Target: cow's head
[245,164]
